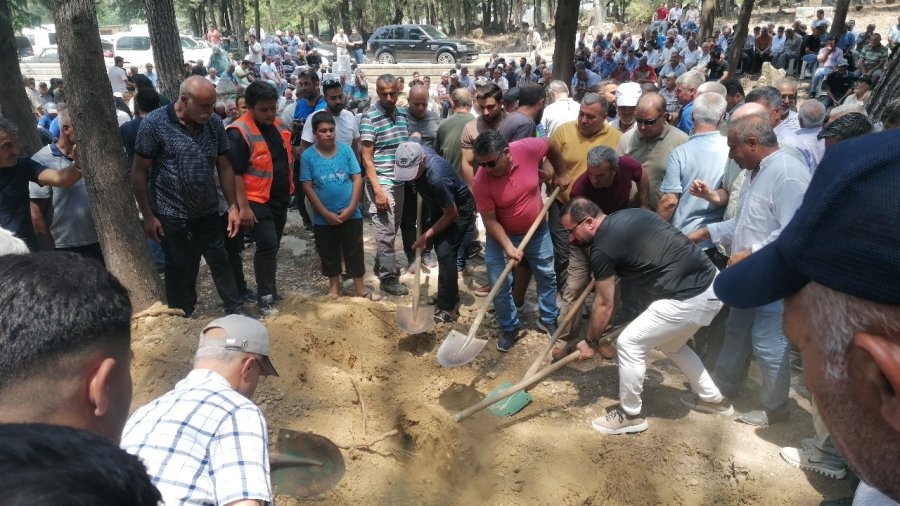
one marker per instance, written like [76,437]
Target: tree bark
[90,101]
[239,27]
[734,52]
[14,101]
[565,25]
[886,90]
[256,17]
[707,19]
[841,7]
[166,44]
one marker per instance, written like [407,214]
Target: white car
[137,51]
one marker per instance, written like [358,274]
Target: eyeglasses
[570,230]
[648,122]
[491,165]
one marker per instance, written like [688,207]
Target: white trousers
[667,325]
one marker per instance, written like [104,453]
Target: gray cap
[406,161]
[241,334]
[843,63]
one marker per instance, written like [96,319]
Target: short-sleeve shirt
[440,187]
[686,118]
[872,56]
[15,208]
[839,84]
[426,127]
[202,443]
[386,132]
[345,129]
[515,197]
[332,179]
[72,224]
[574,147]
[302,110]
[516,126]
[716,70]
[448,139]
[653,154]
[183,175]
[239,156]
[638,245]
[617,196]
[117,79]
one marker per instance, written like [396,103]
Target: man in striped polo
[381,130]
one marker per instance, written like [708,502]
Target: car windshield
[433,32]
[188,43]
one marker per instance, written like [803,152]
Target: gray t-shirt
[426,126]
[516,126]
[72,224]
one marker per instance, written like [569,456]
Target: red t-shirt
[617,196]
[662,13]
[515,197]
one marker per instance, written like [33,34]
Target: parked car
[422,43]
[137,51]
[23,46]
[47,55]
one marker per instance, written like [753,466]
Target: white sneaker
[528,308]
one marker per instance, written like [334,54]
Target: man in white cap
[205,441]
[627,95]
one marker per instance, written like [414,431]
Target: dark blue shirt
[129,132]
[15,206]
[302,110]
[440,186]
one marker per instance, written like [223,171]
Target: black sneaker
[548,328]
[393,286]
[428,260]
[507,340]
[267,305]
[476,249]
[441,316]
[250,296]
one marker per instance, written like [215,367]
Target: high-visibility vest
[258,178]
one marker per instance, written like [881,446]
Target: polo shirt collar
[662,136]
[56,152]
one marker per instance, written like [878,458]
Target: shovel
[529,381]
[516,402]
[415,319]
[460,349]
[305,464]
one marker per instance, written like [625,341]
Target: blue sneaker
[507,340]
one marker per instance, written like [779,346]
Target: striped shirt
[202,443]
[378,127]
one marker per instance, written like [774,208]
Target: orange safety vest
[258,178]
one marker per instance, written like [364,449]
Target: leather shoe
[761,418]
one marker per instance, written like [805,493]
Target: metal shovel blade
[415,320]
[305,464]
[458,349]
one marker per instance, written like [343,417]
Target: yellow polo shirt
[575,146]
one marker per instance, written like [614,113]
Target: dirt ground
[348,373]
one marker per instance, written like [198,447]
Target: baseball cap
[627,94]
[241,334]
[843,236]
[843,62]
[406,161]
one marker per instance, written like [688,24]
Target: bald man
[186,146]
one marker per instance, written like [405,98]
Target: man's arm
[467,167]
[226,180]
[718,197]
[602,310]
[449,216]
[643,190]
[63,178]
[39,209]
[668,202]
[368,158]
[496,232]
[139,170]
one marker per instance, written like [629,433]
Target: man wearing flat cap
[837,267]
[205,441]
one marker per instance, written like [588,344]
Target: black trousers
[408,222]
[447,244]
[185,240]
[270,220]
[560,239]
[335,243]
[233,248]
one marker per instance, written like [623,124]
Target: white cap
[627,94]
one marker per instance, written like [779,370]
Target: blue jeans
[539,253]
[359,56]
[757,330]
[817,79]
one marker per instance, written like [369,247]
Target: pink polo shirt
[515,197]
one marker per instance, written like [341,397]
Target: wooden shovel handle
[573,311]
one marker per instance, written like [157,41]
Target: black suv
[424,43]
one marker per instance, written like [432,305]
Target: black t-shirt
[239,156]
[638,245]
[813,43]
[440,186]
[15,206]
[716,70]
[839,84]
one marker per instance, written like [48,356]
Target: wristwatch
[592,342]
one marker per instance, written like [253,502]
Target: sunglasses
[492,164]
[570,230]
[648,122]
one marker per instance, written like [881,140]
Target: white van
[136,49]
[41,37]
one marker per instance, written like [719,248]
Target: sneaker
[483,291]
[393,286]
[507,340]
[760,418]
[693,401]
[527,308]
[808,442]
[811,459]
[476,249]
[548,328]
[267,305]
[441,316]
[250,296]
[429,260]
[617,421]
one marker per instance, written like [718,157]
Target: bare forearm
[496,232]
[139,187]
[226,180]
[240,192]
[449,216]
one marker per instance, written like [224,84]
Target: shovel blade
[459,350]
[415,321]
[511,405]
[306,464]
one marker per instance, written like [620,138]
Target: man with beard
[309,100]
[345,128]
[846,322]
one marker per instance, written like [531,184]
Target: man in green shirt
[447,142]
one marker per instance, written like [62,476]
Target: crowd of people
[675,192]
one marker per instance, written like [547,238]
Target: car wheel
[386,58]
[446,58]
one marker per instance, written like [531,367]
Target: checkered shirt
[203,443]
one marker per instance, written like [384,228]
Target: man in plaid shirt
[205,441]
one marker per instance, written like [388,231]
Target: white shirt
[652,57]
[340,40]
[792,122]
[675,14]
[691,58]
[768,202]
[867,495]
[214,80]
[692,14]
[117,79]
[778,44]
[256,52]
[153,77]
[267,72]
[558,113]
[345,128]
[501,82]
[810,147]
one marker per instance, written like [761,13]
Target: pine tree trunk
[707,19]
[239,27]
[13,101]
[840,17]
[565,26]
[90,102]
[886,90]
[734,52]
[166,44]
[256,17]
